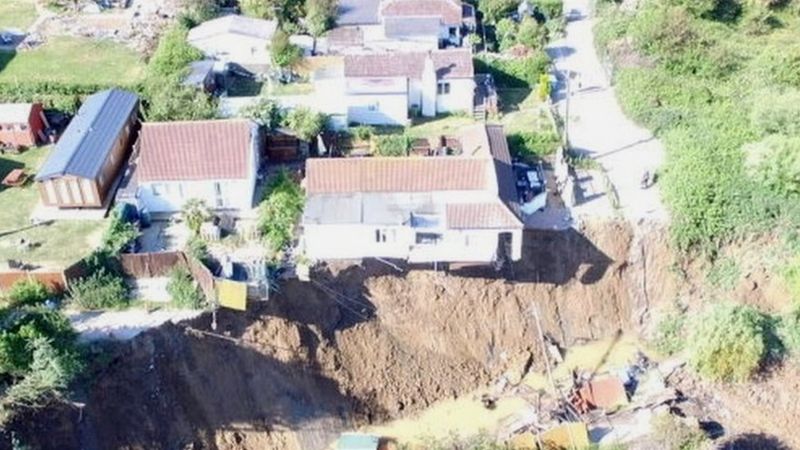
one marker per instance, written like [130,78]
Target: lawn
[17,14]
[56,245]
[73,60]
[448,125]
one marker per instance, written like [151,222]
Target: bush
[284,54]
[494,10]
[513,73]
[362,132]
[197,248]
[173,53]
[550,8]
[774,162]
[119,233]
[669,336]
[533,145]
[393,145]
[280,211]
[100,290]
[670,433]
[184,291]
[776,112]
[506,33]
[28,293]
[23,325]
[307,124]
[265,112]
[728,342]
[789,332]
[532,34]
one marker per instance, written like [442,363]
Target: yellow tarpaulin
[232,294]
[567,436]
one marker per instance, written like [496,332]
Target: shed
[21,124]
[84,165]
[201,75]
[352,441]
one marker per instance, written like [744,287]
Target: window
[443,88]
[428,238]
[383,236]
[23,127]
[373,106]
[453,31]
[158,189]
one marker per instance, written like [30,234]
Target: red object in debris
[16,177]
[604,393]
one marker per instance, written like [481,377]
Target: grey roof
[234,24]
[398,27]
[198,72]
[369,208]
[90,136]
[358,12]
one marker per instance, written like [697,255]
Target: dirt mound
[359,344]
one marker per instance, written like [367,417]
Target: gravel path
[598,129]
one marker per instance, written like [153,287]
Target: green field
[17,13]
[73,60]
[55,245]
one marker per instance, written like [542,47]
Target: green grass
[73,60]
[56,245]
[523,112]
[17,14]
[448,125]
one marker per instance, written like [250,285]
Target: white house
[235,39]
[214,160]
[399,25]
[387,88]
[420,209]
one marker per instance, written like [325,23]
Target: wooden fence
[153,265]
[55,280]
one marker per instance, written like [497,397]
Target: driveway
[598,129]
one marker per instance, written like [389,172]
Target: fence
[153,265]
[55,280]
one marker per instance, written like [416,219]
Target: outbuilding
[83,167]
[22,125]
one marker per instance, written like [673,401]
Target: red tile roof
[199,150]
[345,175]
[481,216]
[449,10]
[453,63]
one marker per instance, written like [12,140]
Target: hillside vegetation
[719,82]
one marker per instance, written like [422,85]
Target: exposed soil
[360,344]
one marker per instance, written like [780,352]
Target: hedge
[514,73]
[65,97]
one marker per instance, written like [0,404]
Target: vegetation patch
[280,211]
[100,290]
[183,289]
[28,293]
[670,333]
[18,14]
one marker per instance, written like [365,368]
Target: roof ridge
[202,121]
[85,134]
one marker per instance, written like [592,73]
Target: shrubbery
[516,72]
[100,290]
[307,124]
[280,211]
[28,293]
[392,145]
[184,291]
[669,433]
[119,233]
[729,342]
[533,145]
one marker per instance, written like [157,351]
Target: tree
[195,212]
[119,233]
[728,342]
[284,54]
[173,54]
[168,100]
[286,12]
[307,124]
[494,10]
[264,112]
[531,33]
[280,211]
[506,33]
[320,15]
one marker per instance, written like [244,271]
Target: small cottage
[216,161]
[84,166]
[235,39]
[22,125]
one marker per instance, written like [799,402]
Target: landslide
[359,344]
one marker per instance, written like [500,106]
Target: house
[235,39]
[410,25]
[459,208]
[212,160]
[83,167]
[22,124]
[201,75]
[381,88]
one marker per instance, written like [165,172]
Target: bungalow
[83,166]
[213,160]
[22,124]
[381,88]
[421,209]
[235,39]
[418,25]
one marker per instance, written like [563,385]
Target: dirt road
[597,127]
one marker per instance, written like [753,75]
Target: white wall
[377,109]
[235,48]
[359,241]
[169,197]
[460,98]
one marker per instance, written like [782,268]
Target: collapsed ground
[368,344]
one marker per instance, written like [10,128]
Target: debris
[566,436]
[604,393]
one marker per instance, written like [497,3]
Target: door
[219,198]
